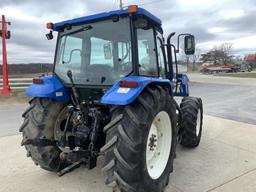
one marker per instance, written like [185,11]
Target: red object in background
[251,58]
[6,88]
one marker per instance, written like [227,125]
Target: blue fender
[184,79]
[117,95]
[51,87]
[184,85]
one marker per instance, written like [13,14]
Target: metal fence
[18,83]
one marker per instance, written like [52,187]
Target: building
[251,58]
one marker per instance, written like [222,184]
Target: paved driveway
[224,162]
[230,101]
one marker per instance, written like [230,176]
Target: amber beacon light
[49,25]
[132,8]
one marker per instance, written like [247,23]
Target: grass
[17,97]
[241,74]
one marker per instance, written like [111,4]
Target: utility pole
[121,4]
[5,35]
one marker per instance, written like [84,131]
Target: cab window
[160,56]
[147,52]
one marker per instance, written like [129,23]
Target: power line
[146,3]
[152,2]
[132,2]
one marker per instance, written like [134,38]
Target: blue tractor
[112,95]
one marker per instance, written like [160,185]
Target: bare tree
[226,49]
[196,58]
[219,54]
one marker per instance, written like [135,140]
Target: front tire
[192,121]
[130,136]
[39,121]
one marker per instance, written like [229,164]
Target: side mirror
[49,36]
[189,43]
[107,51]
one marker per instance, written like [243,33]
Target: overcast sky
[212,21]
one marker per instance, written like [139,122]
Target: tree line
[219,54]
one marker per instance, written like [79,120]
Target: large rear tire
[191,126]
[141,142]
[39,121]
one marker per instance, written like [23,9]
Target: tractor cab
[104,48]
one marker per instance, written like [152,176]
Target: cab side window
[71,55]
[147,52]
[160,56]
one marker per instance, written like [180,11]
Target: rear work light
[38,81]
[128,84]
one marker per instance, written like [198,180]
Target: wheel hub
[152,142]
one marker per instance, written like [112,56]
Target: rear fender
[117,95]
[50,88]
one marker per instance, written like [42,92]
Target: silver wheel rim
[198,122]
[159,144]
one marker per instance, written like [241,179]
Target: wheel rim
[159,144]
[198,122]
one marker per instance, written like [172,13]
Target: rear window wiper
[86,28]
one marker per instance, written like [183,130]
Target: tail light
[128,84]
[38,81]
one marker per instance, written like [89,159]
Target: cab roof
[106,15]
